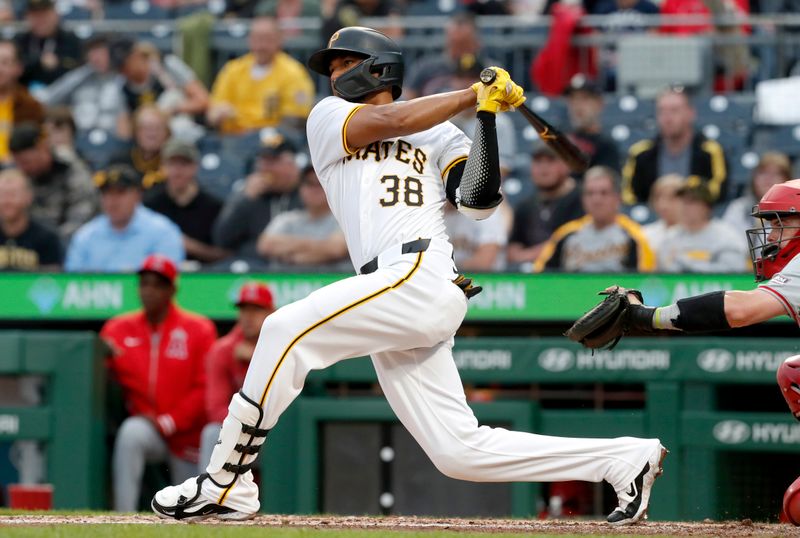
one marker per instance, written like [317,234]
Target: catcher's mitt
[603,326]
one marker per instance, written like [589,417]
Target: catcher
[774,249]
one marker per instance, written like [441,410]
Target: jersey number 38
[411,188]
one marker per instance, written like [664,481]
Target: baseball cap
[696,188]
[181,149]
[39,5]
[160,265]
[117,175]
[580,83]
[24,136]
[119,50]
[255,293]
[275,144]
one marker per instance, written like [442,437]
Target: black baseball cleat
[633,500]
[185,502]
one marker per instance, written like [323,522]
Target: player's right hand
[500,95]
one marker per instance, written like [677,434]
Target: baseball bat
[558,141]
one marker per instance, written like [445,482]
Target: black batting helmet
[381,56]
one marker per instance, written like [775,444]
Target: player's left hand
[500,95]
[615,316]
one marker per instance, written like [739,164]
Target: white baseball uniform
[404,315]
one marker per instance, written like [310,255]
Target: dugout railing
[67,416]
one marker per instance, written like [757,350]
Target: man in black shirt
[181,199]
[585,106]
[48,51]
[555,202]
[25,244]
[269,190]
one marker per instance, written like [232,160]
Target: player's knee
[134,432]
[453,464]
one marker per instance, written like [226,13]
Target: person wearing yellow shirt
[264,88]
[16,104]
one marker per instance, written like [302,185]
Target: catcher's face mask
[774,243]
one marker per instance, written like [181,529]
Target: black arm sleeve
[475,184]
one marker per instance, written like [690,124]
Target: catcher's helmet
[770,256]
[789,381]
[381,56]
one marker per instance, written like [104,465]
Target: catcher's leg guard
[240,439]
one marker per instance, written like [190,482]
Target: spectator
[181,199]
[264,88]
[25,244]
[269,190]
[602,241]
[344,13]
[621,17]
[678,149]
[60,130]
[229,357]
[64,197]
[6,11]
[700,243]
[150,133]
[585,106]
[773,168]
[48,51]
[664,201]
[288,10]
[150,80]
[158,360]
[308,238]
[126,232]
[432,73]
[555,202]
[16,104]
[92,91]
[477,244]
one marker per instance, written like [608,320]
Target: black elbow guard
[479,192]
[702,313]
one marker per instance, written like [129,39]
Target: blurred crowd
[113,150]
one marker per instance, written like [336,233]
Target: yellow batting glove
[498,95]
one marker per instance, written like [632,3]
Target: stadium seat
[70,12]
[135,9]
[97,147]
[725,112]
[218,173]
[785,139]
[624,136]
[629,110]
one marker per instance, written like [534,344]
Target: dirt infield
[489,526]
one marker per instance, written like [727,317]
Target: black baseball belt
[418,245]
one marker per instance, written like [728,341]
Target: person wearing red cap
[157,357]
[229,357]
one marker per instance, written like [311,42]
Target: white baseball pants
[404,315]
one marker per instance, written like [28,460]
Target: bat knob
[488,75]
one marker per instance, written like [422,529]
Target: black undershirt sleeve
[474,184]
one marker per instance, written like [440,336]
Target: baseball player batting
[387,169]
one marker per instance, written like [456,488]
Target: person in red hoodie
[158,359]
[228,359]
